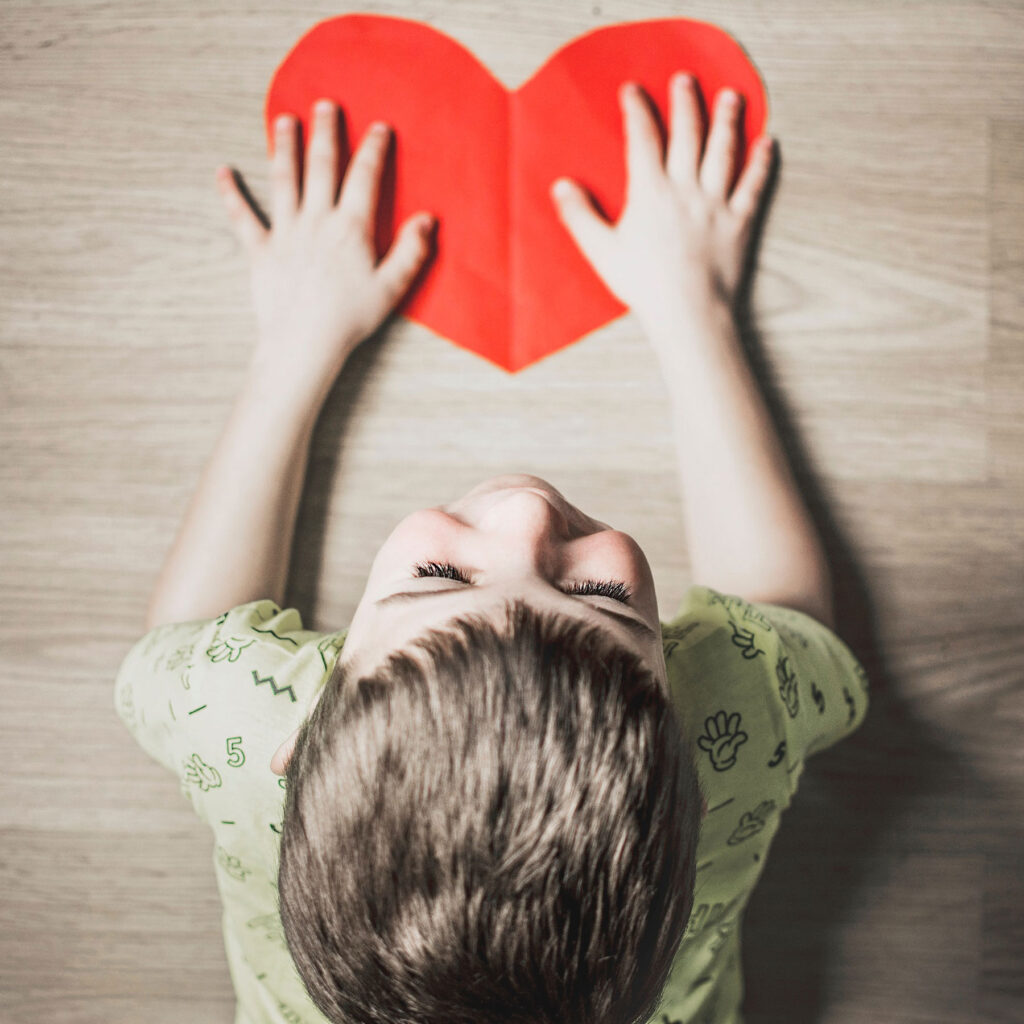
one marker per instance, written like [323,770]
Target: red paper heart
[507,280]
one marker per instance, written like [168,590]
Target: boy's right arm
[676,257]
[748,528]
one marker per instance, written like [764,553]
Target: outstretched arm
[318,292]
[748,529]
[676,258]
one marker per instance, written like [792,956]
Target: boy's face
[514,536]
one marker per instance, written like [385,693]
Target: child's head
[514,536]
[492,815]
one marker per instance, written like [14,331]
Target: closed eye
[614,589]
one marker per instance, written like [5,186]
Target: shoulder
[202,696]
[735,666]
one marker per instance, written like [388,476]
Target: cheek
[619,549]
[421,536]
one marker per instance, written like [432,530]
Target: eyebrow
[635,626]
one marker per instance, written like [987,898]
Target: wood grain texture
[888,315]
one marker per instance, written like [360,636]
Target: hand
[681,236]
[317,288]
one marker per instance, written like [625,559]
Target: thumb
[405,257]
[248,227]
[590,231]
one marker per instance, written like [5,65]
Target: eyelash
[614,589]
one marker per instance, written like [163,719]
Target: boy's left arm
[318,291]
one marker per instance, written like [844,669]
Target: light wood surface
[889,312]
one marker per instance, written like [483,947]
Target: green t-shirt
[758,687]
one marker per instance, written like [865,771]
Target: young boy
[512,793]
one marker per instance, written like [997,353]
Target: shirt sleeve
[759,688]
[185,682]
[821,685]
[816,691]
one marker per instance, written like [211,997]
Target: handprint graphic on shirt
[201,774]
[181,656]
[722,738]
[787,686]
[745,640]
[232,865]
[328,647]
[269,925]
[751,822]
[229,648]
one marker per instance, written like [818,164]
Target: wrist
[294,403]
[297,371]
[698,317]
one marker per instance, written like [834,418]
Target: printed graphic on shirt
[673,636]
[278,690]
[721,740]
[236,756]
[329,648]
[270,928]
[791,633]
[126,707]
[178,657]
[229,648]
[787,686]
[199,773]
[851,707]
[290,1015]
[722,933]
[745,640]
[818,697]
[232,865]
[709,915]
[747,612]
[862,676]
[751,822]
[780,753]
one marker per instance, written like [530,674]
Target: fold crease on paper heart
[506,279]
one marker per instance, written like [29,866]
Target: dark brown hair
[492,828]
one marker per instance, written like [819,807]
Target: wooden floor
[889,312]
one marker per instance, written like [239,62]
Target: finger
[592,234]
[643,139]
[362,179]
[720,154]
[247,225]
[284,170]
[405,257]
[686,132]
[320,189]
[750,187]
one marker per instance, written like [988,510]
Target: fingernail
[561,188]
[324,106]
[684,79]
[380,127]
[283,122]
